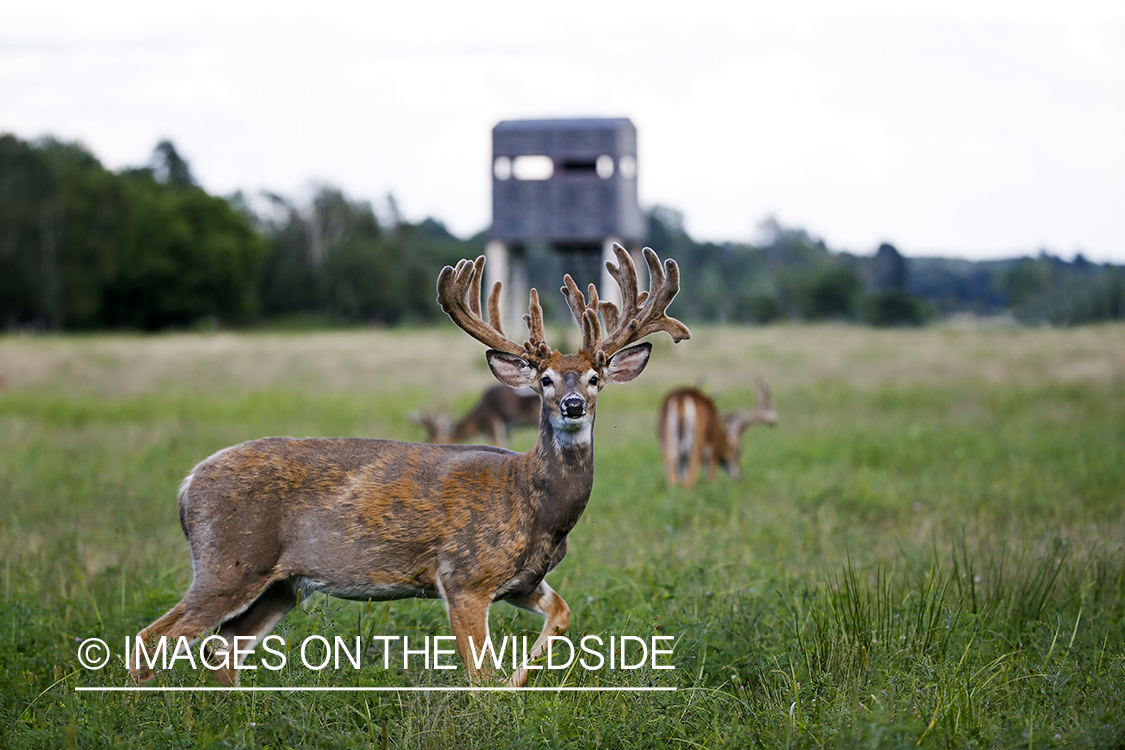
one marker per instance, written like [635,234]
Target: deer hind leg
[673,465]
[694,464]
[692,442]
[546,602]
[670,443]
[243,632]
[203,607]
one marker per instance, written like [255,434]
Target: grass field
[927,551]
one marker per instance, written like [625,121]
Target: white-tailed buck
[273,520]
[500,408]
[692,432]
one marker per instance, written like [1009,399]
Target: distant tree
[394,214]
[830,293]
[81,238]
[58,244]
[791,247]
[169,167]
[290,279]
[1110,300]
[664,228]
[895,309]
[1026,279]
[26,187]
[423,250]
[1047,289]
[888,270]
[186,256]
[760,308]
[82,247]
[957,285]
[332,258]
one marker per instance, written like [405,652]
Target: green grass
[926,552]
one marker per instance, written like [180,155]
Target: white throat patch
[573,433]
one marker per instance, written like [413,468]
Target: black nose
[573,407]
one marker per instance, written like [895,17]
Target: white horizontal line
[218,689]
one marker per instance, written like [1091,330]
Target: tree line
[84,248]
[794,275]
[146,248]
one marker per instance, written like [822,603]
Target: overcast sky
[977,129]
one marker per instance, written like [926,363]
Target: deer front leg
[712,465]
[468,619]
[546,602]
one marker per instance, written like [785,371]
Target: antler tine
[574,298]
[605,307]
[459,296]
[609,314]
[642,313]
[536,345]
[765,411]
[625,274]
[586,313]
[663,286]
[765,395]
[475,281]
[494,308]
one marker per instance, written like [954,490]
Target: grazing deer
[692,431]
[273,520]
[500,408]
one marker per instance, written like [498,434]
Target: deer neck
[561,468]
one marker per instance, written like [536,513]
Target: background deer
[692,431]
[273,520]
[500,408]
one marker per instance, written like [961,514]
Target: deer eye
[545,381]
[593,380]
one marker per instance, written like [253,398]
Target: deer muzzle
[573,407]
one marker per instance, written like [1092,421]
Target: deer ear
[627,363]
[509,369]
